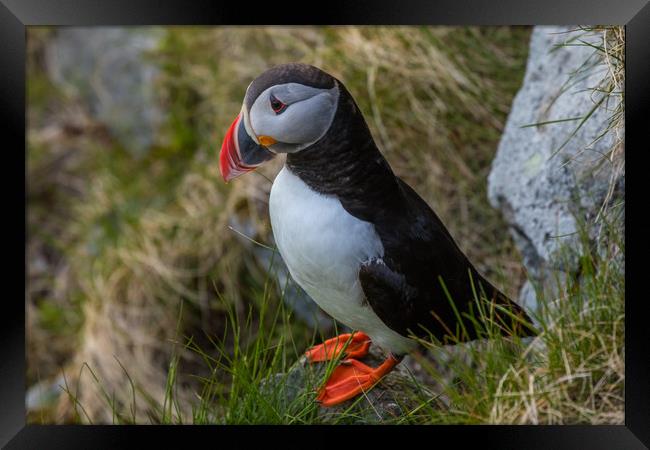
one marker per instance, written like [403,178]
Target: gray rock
[44,394]
[541,184]
[108,70]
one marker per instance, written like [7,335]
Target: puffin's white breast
[323,246]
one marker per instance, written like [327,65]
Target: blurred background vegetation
[135,243]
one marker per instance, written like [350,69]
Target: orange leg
[351,378]
[331,348]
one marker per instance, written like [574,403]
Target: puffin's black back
[404,289]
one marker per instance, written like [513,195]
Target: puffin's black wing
[389,294]
[422,268]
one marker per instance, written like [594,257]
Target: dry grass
[612,53]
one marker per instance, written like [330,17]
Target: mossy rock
[395,399]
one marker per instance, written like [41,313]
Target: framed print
[278,219]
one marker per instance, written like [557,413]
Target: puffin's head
[286,109]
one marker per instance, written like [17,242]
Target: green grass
[571,373]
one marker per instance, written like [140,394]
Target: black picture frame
[16,15]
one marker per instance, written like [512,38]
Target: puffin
[355,237]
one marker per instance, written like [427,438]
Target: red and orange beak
[239,152]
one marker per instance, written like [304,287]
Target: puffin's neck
[345,162]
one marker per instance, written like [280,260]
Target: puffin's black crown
[288,73]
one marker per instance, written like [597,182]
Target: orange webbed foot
[351,378]
[358,344]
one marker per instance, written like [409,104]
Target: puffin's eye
[276,105]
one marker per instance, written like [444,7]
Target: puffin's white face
[287,118]
[286,109]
